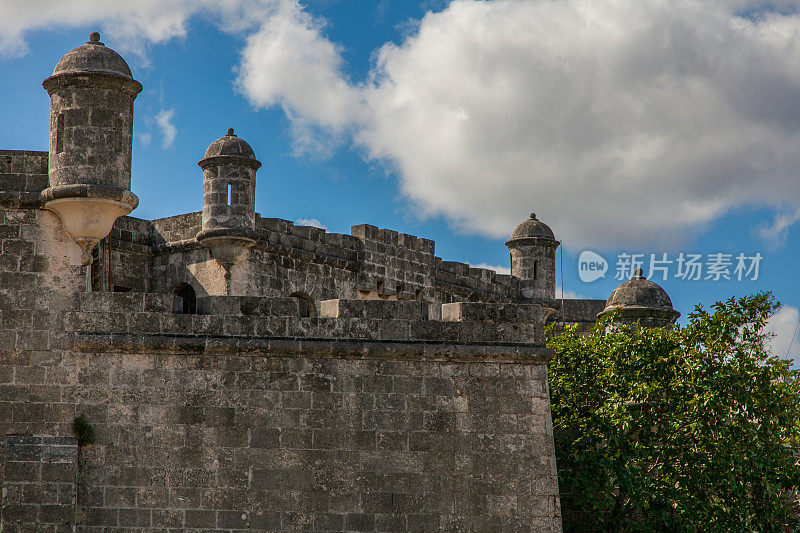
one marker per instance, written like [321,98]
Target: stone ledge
[123,322]
[326,348]
[124,302]
[344,320]
[248,306]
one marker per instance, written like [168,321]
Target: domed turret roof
[93,57]
[230,144]
[532,228]
[639,292]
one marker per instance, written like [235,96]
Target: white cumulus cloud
[288,62]
[164,119]
[784,325]
[131,24]
[623,121]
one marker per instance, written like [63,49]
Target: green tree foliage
[686,429]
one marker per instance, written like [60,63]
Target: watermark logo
[591,266]
[684,266]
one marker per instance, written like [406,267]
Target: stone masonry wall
[23,175]
[370,417]
[286,443]
[39,483]
[38,276]
[256,422]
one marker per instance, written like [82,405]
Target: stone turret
[229,188]
[533,259]
[641,299]
[91,125]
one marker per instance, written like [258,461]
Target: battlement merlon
[368,234]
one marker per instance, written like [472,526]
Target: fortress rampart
[247,416]
[241,373]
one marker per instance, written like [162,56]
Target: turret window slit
[60,133]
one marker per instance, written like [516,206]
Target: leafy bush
[685,429]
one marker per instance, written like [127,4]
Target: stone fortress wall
[247,416]
[243,373]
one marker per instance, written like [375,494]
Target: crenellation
[386,235]
[309,232]
[364,232]
[312,252]
[395,271]
[373,237]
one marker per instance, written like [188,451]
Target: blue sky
[629,126]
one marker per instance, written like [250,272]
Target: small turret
[641,299]
[533,259]
[91,124]
[229,188]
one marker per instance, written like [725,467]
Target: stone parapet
[389,310]
[307,243]
[246,319]
[177,229]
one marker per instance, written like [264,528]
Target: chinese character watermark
[715,266]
